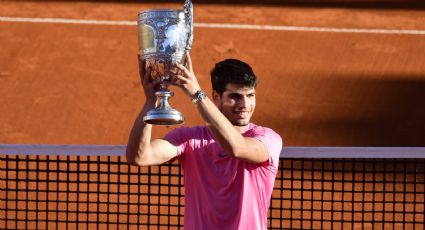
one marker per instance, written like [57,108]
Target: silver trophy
[164,37]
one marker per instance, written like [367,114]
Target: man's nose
[243,102]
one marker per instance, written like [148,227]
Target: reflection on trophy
[164,37]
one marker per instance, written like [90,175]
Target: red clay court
[357,82]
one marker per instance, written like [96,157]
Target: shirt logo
[222,154]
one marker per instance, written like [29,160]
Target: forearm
[229,138]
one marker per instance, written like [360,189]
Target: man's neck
[241,129]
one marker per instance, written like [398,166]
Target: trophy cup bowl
[164,37]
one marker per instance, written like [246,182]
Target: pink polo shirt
[222,192]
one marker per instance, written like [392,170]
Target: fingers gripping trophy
[165,35]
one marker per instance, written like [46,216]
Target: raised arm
[141,149]
[229,137]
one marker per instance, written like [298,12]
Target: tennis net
[92,187]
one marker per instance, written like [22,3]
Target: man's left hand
[185,78]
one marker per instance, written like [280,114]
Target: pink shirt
[222,192]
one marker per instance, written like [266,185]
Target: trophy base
[163,117]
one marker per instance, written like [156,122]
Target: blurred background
[332,73]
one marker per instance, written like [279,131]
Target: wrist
[198,96]
[192,92]
[149,104]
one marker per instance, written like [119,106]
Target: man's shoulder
[184,135]
[263,131]
[192,129]
[188,132]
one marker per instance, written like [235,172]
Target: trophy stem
[163,113]
[162,99]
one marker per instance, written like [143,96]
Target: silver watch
[198,96]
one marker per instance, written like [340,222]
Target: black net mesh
[101,192]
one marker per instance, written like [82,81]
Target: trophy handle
[188,12]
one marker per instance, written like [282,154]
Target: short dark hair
[232,71]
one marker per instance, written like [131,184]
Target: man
[230,164]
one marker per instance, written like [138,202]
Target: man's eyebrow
[233,94]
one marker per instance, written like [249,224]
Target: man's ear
[216,97]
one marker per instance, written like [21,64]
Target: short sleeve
[273,143]
[178,138]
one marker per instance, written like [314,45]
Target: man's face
[237,103]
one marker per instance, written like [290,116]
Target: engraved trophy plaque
[164,37]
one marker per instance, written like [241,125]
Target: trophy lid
[160,13]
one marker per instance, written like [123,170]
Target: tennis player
[230,164]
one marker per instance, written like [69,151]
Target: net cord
[287,152]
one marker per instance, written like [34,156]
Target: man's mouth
[242,114]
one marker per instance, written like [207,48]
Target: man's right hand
[149,86]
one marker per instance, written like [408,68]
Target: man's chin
[240,123]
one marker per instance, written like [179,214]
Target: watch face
[199,95]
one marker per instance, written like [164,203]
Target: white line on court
[221,25]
